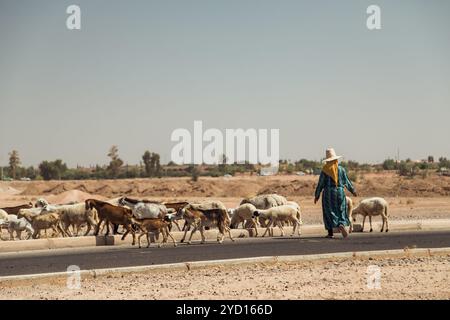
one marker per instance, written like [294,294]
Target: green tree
[152,164]
[194,172]
[390,164]
[147,158]
[52,170]
[116,163]
[14,163]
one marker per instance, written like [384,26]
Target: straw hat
[330,155]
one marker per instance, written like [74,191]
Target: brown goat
[15,210]
[155,226]
[200,219]
[112,214]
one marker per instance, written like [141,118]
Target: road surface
[58,260]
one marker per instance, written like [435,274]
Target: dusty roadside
[423,277]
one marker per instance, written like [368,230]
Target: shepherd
[332,181]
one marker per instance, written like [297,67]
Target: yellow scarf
[331,169]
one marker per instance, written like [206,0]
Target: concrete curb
[187,266]
[91,241]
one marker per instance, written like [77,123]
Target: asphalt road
[122,256]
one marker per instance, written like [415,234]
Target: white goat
[372,207]
[277,215]
[144,210]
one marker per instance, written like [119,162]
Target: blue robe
[334,203]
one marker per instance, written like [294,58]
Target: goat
[200,219]
[155,226]
[114,214]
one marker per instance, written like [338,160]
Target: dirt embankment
[384,185]
[425,277]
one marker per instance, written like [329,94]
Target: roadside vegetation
[149,166]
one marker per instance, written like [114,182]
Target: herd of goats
[155,218]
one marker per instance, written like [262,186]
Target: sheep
[276,215]
[265,201]
[296,206]
[19,225]
[3,214]
[76,215]
[242,214]
[41,203]
[279,199]
[29,214]
[372,207]
[46,221]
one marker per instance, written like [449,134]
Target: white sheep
[277,215]
[244,214]
[3,214]
[76,215]
[296,206]
[19,225]
[372,207]
[41,203]
[29,214]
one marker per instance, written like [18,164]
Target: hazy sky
[137,70]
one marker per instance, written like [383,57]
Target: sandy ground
[401,278]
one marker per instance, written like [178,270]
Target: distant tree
[52,170]
[147,159]
[430,159]
[408,169]
[115,163]
[31,173]
[156,161]
[14,163]
[389,164]
[152,164]
[194,173]
[444,163]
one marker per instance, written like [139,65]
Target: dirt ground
[416,198]
[400,278]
